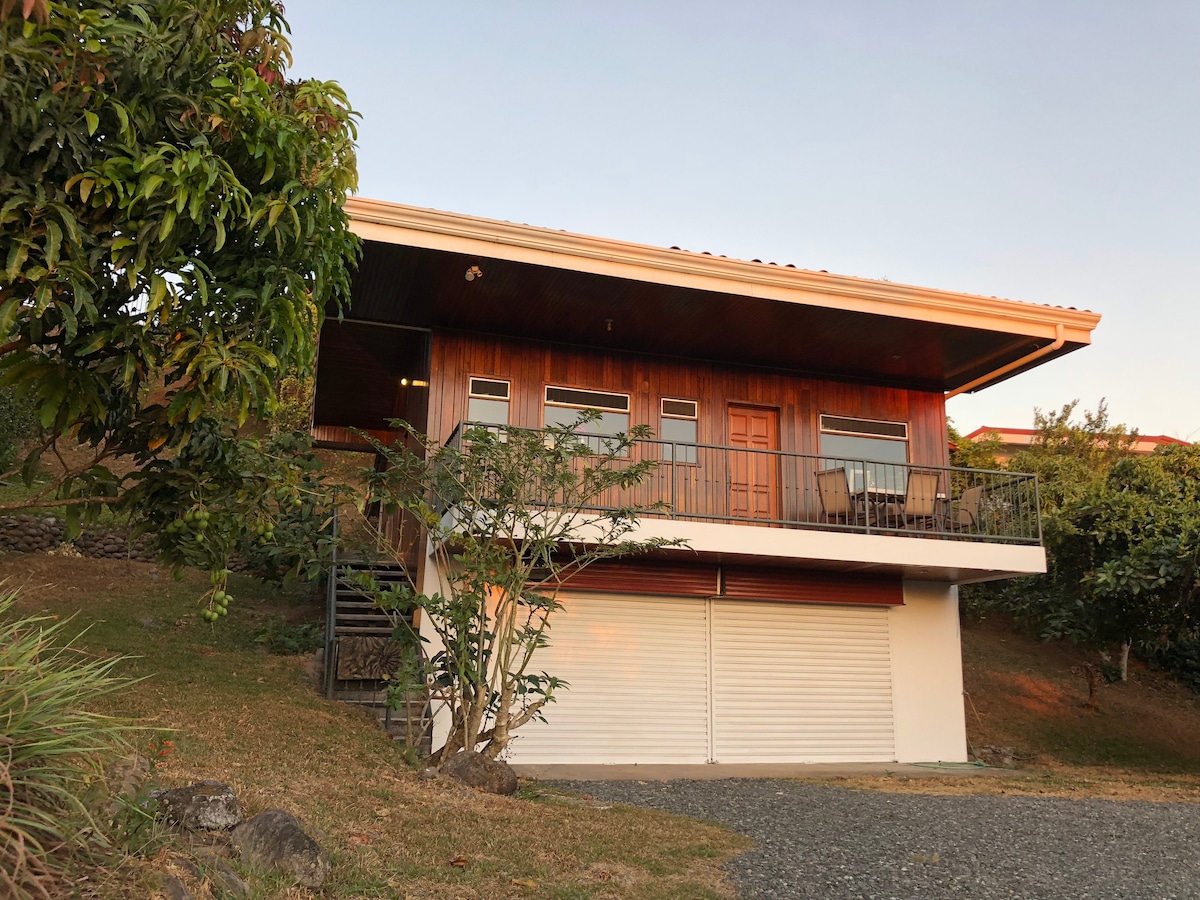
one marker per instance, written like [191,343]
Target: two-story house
[801,435]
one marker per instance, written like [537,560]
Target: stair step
[362,608]
[361,631]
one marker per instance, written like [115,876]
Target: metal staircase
[360,651]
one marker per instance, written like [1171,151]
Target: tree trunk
[1125,661]
[1092,674]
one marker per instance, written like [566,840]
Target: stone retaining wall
[27,533]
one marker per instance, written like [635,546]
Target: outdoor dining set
[906,498]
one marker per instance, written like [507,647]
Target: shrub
[280,636]
[51,745]
[17,422]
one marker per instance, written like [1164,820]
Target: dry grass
[1026,696]
[1141,743]
[256,721]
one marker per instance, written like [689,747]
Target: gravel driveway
[817,841]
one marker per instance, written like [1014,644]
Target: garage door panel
[794,683]
[787,683]
[637,669]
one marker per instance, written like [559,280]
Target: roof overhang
[553,285]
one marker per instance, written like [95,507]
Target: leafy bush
[17,422]
[280,636]
[51,745]
[1180,657]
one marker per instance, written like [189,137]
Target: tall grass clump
[51,748]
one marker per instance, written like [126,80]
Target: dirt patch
[1058,781]
[42,578]
[1028,695]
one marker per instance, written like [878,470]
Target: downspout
[1059,340]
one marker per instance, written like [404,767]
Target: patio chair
[965,514]
[920,507]
[837,503]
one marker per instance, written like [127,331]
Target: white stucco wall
[927,687]
[431,581]
[926,662]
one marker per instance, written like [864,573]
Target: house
[1012,440]
[813,616]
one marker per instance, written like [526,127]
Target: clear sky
[1042,151]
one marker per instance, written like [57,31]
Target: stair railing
[331,608]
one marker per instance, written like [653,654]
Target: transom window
[487,401]
[678,430]
[871,451]
[563,406]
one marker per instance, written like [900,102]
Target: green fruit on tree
[222,611]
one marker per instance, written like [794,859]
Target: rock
[207,846]
[208,805]
[275,839]
[478,771]
[176,889]
[185,865]
[231,881]
[429,774]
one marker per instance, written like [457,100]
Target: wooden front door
[753,477]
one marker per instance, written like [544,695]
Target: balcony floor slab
[913,557]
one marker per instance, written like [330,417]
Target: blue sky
[1046,152]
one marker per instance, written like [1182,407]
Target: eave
[862,306]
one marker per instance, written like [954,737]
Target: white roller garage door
[796,683]
[638,674]
[667,680]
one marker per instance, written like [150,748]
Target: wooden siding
[646,576]
[799,586]
[531,365]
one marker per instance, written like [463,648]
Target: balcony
[777,489]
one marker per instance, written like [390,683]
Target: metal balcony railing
[735,485]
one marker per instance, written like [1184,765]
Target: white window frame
[546,401]
[866,433]
[685,458]
[494,428]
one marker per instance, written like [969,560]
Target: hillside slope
[1027,698]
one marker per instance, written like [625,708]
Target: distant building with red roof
[1014,439]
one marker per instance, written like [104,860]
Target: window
[487,401]
[563,406]
[678,430]
[869,450]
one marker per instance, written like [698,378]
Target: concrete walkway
[756,770]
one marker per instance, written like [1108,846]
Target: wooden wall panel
[647,576]
[800,586]
[530,366]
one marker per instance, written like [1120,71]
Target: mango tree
[171,233]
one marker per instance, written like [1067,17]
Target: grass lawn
[1142,742]
[255,720]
